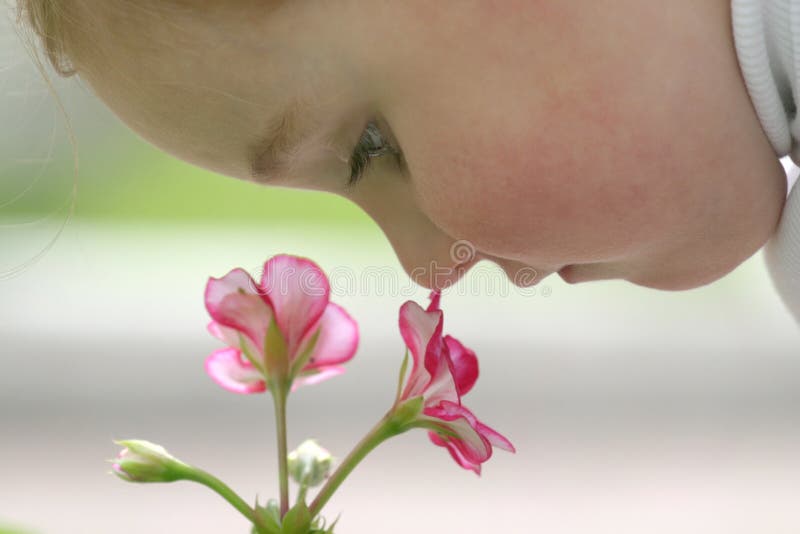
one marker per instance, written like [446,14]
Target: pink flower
[314,335]
[443,371]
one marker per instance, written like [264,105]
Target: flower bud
[142,461]
[309,464]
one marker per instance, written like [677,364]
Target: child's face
[594,135]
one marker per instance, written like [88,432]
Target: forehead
[214,91]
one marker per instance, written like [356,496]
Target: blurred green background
[125,178]
[122,177]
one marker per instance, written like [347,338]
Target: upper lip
[521,274]
[566,274]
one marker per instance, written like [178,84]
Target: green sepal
[250,357]
[268,518]
[330,530]
[318,527]
[400,380]
[297,520]
[276,354]
[405,414]
[302,360]
[439,428]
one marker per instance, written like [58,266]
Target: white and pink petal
[462,422]
[472,443]
[436,297]
[228,368]
[495,438]
[460,459]
[298,291]
[234,301]
[419,329]
[337,341]
[234,338]
[464,365]
[442,386]
[317,376]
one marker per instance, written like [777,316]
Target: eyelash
[370,145]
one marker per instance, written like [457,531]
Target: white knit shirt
[767,37]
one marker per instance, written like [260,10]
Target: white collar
[767,38]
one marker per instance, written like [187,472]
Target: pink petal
[228,369]
[298,291]
[419,329]
[436,297]
[338,338]
[465,365]
[442,385]
[472,444]
[233,301]
[469,442]
[317,377]
[455,453]
[495,438]
[220,332]
[231,338]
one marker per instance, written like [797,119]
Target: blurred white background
[633,410]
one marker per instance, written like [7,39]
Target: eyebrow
[273,152]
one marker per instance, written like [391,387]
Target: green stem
[283,468]
[301,495]
[384,430]
[218,486]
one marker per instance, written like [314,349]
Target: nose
[430,257]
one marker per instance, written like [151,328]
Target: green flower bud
[142,461]
[309,464]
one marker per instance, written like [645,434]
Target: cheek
[532,198]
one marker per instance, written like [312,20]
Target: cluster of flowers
[284,332]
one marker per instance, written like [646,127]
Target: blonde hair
[45,25]
[42,25]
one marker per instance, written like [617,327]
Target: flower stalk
[280,395]
[301,494]
[395,422]
[374,437]
[223,490]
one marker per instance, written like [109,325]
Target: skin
[609,139]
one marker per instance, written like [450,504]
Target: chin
[661,280]
[680,281]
